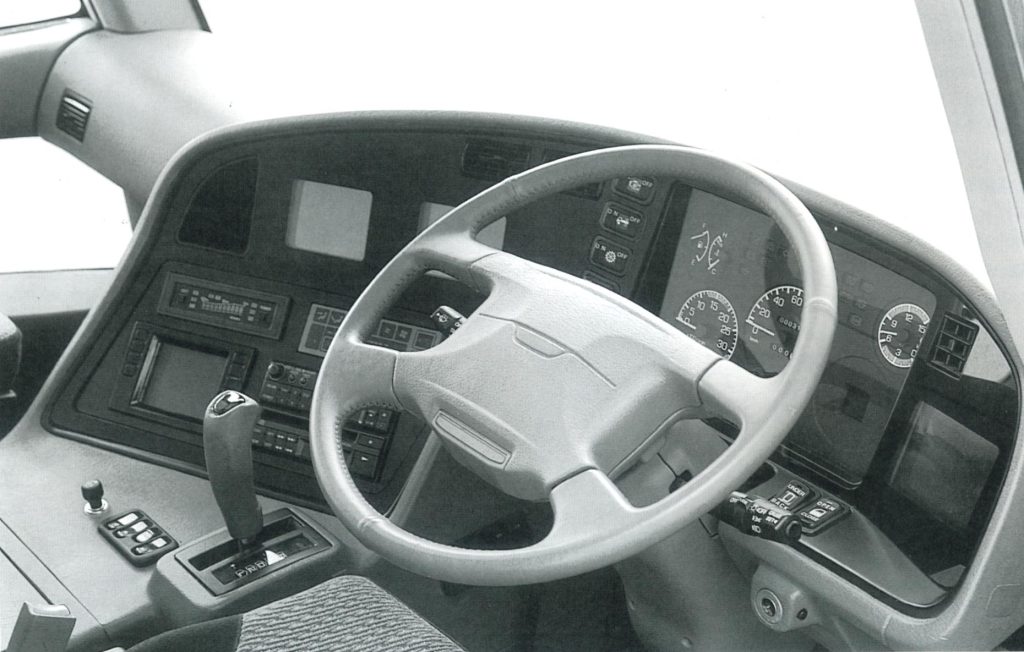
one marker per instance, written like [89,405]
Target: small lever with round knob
[92,491]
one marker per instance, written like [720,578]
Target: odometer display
[709,318]
[773,326]
[900,333]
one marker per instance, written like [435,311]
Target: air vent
[953,344]
[493,161]
[73,115]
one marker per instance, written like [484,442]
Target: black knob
[92,491]
[275,370]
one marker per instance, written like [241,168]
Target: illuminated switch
[621,220]
[793,496]
[610,256]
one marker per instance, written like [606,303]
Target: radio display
[227,306]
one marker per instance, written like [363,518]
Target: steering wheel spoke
[730,391]
[585,499]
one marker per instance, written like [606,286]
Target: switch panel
[137,537]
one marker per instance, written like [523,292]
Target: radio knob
[275,370]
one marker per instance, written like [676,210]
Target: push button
[424,340]
[820,514]
[639,189]
[127,519]
[370,441]
[622,220]
[403,333]
[610,256]
[793,496]
[364,464]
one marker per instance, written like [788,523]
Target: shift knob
[227,445]
[92,491]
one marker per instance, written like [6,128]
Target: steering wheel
[554,385]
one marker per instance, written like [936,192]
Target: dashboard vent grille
[73,115]
[493,161]
[953,344]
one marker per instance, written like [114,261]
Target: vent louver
[73,115]
[493,160]
[953,344]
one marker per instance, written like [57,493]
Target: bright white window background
[22,12]
[838,96]
[56,212]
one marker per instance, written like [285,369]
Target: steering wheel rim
[522,320]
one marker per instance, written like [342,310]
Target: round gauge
[773,325]
[900,333]
[708,317]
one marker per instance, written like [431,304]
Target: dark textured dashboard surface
[225,230]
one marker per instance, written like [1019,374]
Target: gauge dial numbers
[900,333]
[708,317]
[773,325]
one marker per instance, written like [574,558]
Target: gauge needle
[760,327]
[881,332]
[688,325]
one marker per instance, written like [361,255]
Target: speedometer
[773,325]
[708,317]
[900,333]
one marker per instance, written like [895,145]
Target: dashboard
[243,277]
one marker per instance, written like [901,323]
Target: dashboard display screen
[943,466]
[327,219]
[735,286]
[181,381]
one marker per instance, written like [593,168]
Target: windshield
[840,97]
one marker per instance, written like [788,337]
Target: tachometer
[900,333]
[708,317]
[774,323]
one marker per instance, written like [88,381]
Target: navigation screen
[331,220]
[735,287]
[182,381]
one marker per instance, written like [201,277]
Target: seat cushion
[345,613]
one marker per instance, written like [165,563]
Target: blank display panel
[327,219]
[183,381]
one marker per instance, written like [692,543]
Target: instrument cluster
[720,263]
[735,287]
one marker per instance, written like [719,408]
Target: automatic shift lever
[227,443]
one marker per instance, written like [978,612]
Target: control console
[364,438]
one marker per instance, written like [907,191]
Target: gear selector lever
[227,444]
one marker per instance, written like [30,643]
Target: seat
[347,613]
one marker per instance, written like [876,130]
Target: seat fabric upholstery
[345,613]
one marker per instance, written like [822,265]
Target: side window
[23,13]
[56,212]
